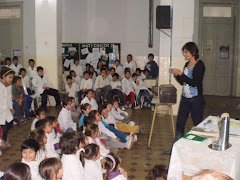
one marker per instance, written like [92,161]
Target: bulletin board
[70,51]
[93,52]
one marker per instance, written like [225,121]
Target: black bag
[167,94]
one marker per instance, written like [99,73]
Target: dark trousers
[51,92]
[118,92]
[146,94]
[5,129]
[193,106]
[80,93]
[104,91]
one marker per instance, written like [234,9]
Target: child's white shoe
[130,140]
[137,107]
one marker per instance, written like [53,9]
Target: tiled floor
[140,159]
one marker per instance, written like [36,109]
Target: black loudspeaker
[163,17]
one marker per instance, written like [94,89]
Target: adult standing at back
[77,67]
[130,63]
[192,101]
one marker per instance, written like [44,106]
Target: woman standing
[192,101]
[6,109]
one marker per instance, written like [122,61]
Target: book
[194,138]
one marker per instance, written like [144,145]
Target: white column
[48,28]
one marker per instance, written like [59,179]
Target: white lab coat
[101,82]
[16,68]
[115,85]
[32,72]
[78,69]
[132,65]
[72,167]
[92,170]
[77,80]
[86,84]
[41,155]
[65,120]
[33,123]
[34,168]
[141,86]
[119,70]
[50,150]
[106,131]
[92,102]
[127,85]
[72,91]
[103,151]
[26,81]
[116,113]
[39,82]
[110,119]
[5,104]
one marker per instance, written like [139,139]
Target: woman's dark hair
[91,151]
[31,60]
[84,106]
[69,77]
[49,167]
[69,142]
[39,68]
[91,129]
[17,171]
[116,75]
[192,48]
[30,144]
[38,135]
[158,172]
[21,70]
[108,164]
[93,113]
[102,108]
[16,78]
[5,71]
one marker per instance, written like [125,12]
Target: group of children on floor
[83,145]
[122,82]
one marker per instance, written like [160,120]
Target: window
[10,13]
[211,11]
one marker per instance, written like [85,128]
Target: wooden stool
[170,111]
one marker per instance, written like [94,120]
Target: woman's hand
[176,72]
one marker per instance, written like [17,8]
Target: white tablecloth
[189,158]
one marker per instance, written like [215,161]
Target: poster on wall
[224,52]
[70,51]
[208,48]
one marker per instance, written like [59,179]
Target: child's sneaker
[130,105]
[130,140]
[137,107]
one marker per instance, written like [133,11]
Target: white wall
[124,21]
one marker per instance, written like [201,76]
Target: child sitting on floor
[40,136]
[119,114]
[86,109]
[56,129]
[40,114]
[17,171]
[71,142]
[111,168]
[123,127]
[29,149]
[119,137]
[90,100]
[65,118]
[51,169]
[52,141]
[92,168]
[92,132]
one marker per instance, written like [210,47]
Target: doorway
[216,40]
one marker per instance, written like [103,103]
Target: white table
[189,158]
